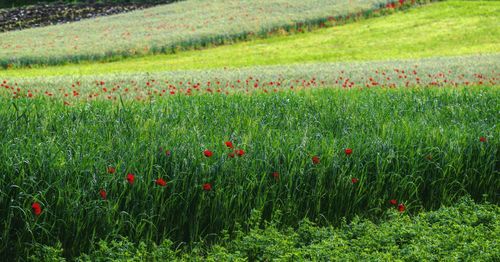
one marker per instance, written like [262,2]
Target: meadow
[422,32]
[171,28]
[430,72]
[376,139]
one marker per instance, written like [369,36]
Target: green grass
[431,72]
[169,28]
[420,146]
[422,131]
[465,231]
[432,30]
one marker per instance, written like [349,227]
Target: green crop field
[187,24]
[432,30]
[421,147]
[375,138]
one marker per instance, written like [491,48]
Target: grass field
[421,147]
[374,140]
[433,72]
[167,28]
[427,31]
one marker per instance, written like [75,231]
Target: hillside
[168,28]
[427,31]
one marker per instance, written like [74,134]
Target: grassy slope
[182,25]
[433,30]
[461,70]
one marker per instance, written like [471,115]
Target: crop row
[185,25]
[436,72]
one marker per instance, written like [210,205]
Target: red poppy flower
[482,139]
[229,144]
[393,202]
[111,170]
[207,187]
[401,2]
[276,175]
[103,194]
[315,160]
[207,153]
[230,155]
[401,207]
[37,209]
[240,152]
[354,180]
[348,151]
[130,178]
[168,152]
[160,182]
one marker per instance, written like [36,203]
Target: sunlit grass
[169,28]
[441,29]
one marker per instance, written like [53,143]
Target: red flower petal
[207,187]
[160,182]
[348,151]
[207,153]
[37,209]
[103,194]
[130,178]
[240,152]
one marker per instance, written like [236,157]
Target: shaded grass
[433,30]
[464,231]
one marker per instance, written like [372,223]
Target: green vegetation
[465,232]
[458,70]
[330,144]
[432,30]
[419,146]
[168,28]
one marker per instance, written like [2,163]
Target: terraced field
[372,140]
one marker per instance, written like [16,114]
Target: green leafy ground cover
[465,231]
